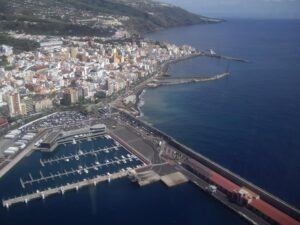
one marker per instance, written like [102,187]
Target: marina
[62,189]
[72,166]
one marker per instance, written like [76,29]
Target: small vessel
[67,160]
[80,152]
[74,141]
[86,171]
[96,168]
[97,163]
[76,157]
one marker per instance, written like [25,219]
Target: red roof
[273,213]
[3,121]
[223,182]
[39,67]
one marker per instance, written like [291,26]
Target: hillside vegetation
[91,17]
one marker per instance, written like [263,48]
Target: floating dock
[62,189]
[73,156]
[72,171]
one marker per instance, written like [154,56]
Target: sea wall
[278,203]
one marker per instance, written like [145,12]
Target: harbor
[186,80]
[128,147]
[62,189]
[73,164]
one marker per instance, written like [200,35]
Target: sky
[289,9]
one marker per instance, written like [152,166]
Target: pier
[195,79]
[256,205]
[72,171]
[208,54]
[74,156]
[62,189]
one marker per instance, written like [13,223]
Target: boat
[86,171]
[97,163]
[80,152]
[76,157]
[67,160]
[95,168]
[74,141]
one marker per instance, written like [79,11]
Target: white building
[6,50]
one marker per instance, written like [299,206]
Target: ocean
[248,122]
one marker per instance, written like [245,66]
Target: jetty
[195,79]
[208,54]
[62,189]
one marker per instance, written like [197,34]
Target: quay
[71,156]
[17,158]
[251,202]
[208,54]
[175,81]
[72,171]
[62,189]
[149,155]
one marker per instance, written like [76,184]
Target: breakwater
[62,189]
[264,195]
[174,81]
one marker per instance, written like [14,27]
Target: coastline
[158,74]
[140,93]
[161,71]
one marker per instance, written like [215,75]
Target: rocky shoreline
[135,108]
[158,74]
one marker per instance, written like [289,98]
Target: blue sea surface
[117,202]
[248,122]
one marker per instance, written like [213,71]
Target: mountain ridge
[92,17]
